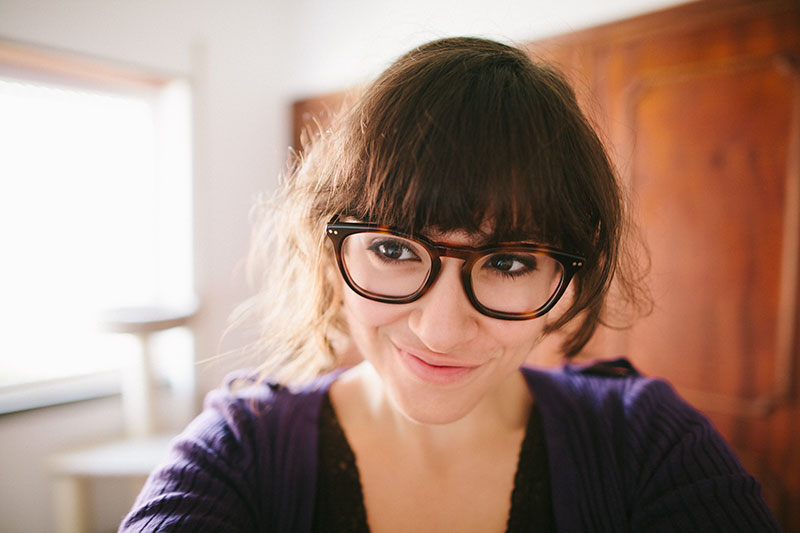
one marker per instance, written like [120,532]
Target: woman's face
[438,357]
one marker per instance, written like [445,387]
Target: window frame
[37,64]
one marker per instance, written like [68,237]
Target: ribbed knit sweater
[625,453]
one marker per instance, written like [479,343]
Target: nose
[444,319]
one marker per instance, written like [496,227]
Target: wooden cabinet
[700,106]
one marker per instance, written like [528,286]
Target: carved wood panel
[710,177]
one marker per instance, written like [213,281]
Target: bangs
[468,148]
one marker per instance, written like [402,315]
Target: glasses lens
[384,264]
[519,282]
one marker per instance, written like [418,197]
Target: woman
[434,231]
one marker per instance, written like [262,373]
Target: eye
[511,264]
[391,250]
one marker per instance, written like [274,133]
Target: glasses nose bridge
[455,252]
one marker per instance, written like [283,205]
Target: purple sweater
[625,453]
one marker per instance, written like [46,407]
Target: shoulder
[227,470]
[609,388]
[612,401]
[247,404]
[638,450]
[248,413]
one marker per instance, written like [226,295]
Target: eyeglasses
[510,281]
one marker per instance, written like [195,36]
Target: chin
[431,408]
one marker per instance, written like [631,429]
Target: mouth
[435,372]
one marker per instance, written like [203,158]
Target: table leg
[72,504]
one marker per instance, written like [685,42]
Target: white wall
[247,59]
[346,40]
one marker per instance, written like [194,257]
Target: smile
[438,374]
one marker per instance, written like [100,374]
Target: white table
[135,456]
[73,473]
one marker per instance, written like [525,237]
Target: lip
[438,373]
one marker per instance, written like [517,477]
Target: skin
[437,411]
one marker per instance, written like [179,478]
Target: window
[95,214]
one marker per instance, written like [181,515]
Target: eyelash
[528,263]
[375,246]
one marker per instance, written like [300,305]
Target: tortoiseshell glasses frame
[338,231]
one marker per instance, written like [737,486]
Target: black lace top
[339,503]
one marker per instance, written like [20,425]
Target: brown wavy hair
[455,133]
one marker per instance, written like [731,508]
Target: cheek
[517,339]
[362,313]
